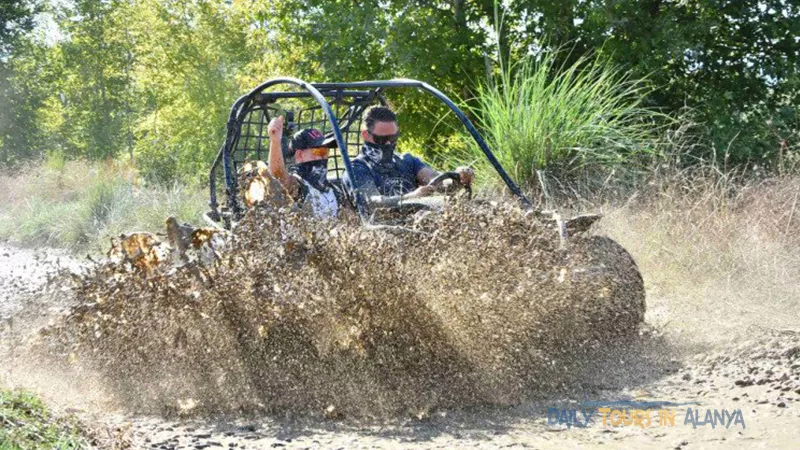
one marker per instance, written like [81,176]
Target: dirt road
[739,392]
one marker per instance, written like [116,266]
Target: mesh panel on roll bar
[253,140]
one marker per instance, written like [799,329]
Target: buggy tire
[607,286]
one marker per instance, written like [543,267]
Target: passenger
[385,177]
[307,181]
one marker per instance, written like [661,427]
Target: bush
[27,423]
[538,116]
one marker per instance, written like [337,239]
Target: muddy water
[477,305]
[177,333]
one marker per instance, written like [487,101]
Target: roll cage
[337,113]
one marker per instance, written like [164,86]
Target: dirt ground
[750,379]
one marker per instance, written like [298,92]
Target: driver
[384,176]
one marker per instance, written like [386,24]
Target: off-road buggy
[599,267]
[334,108]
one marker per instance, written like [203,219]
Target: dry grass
[78,205]
[720,255]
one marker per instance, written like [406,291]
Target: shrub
[566,120]
[29,424]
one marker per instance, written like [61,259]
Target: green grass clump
[538,115]
[79,206]
[27,424]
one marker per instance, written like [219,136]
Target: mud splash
[477,305]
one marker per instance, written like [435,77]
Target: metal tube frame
[318,91]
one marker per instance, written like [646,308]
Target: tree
[189,56]
[436,42]
[17,125]
[734,63]
[16,19]
[155,79]
[93,86]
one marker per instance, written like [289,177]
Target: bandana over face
[314,173]
[379,154]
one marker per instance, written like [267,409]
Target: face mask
[381,154]
[314,173]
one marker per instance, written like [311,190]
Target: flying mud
[478,304]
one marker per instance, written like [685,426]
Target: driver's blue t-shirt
[397,178]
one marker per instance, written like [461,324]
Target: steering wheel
[430,202]
[455,177]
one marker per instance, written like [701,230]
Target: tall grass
[539,116]
[718,250]
[78,205]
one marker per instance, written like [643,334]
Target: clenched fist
[275,128]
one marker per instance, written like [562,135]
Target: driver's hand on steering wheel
[422,191]
[466,174]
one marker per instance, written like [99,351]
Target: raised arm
[277,166]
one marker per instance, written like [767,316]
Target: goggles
[385,139]
[319,152]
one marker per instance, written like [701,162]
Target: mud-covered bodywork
[479,303]
[604,278]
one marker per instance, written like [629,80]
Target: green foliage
[189,55]
[27,424]
[16,18]
[150,80]
[18,98]
[734,63]
[80,206]
[92,78]
[154,80]
[351,41]
[536,115]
